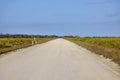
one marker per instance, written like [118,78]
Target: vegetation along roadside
[13,42]
[108,47]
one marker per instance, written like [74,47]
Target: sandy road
[55,60]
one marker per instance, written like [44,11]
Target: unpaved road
[55,60]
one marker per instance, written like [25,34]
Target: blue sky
[60,17]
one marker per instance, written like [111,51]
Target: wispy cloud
[117,14]
[100,2]
[42,24]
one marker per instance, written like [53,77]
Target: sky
[60,17]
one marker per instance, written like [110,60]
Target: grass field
[9,44]
[108,47]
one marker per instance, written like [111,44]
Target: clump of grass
[108,47]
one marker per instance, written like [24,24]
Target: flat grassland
[9,44]
[108,47]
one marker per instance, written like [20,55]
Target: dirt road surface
[56,60]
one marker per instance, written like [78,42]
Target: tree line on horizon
[49,36]
[26,36]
